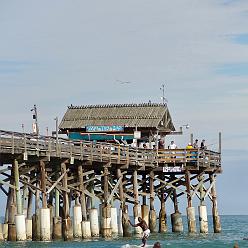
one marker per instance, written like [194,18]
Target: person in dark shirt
[144,227]
[203,146]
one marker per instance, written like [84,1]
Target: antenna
[162,88]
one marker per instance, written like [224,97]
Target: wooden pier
[60,177]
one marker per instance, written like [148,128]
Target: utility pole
[35,118]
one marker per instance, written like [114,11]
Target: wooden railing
[29,145]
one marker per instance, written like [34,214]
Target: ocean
[234,229]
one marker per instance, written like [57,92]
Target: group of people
[189,146]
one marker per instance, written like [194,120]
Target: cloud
[15,66]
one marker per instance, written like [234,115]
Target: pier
[89,184]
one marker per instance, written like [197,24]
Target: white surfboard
[135,246]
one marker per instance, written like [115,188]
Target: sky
[57,53]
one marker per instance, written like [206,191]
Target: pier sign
[113,128]
[173,169]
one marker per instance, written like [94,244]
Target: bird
[124,82]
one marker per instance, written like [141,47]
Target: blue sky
[57,53]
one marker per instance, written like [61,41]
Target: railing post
[101,153]
[37,147]
[198,158]
[81,150]
[25,155]
[13,144]
[119,154]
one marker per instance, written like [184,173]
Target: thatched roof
[146,115]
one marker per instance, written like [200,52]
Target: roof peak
[118,105]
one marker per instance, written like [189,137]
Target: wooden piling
[190,209]
[66,223]
[216,217]
[203,218]
[106,210]
[82,194]
[162,213]
[152,215]
[176,217]
[136,207]
[124,208]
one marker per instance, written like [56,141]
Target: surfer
[144,227]
[157,245]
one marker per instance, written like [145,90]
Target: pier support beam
[45,225]
[190,209]
[106,210]
[136,207]
[152,215]
[123,207]
[85,225]
[94,224]
[162,213]
[216,217]
[36,216]
[57,220]
[176,218]
[29,215]
[19,218]
[203,217]
[67,223]
[114,223]
[77,220]
[9,213]
[144,207]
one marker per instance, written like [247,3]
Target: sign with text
[137,134]
[173,169]
[104,128]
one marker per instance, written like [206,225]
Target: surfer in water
[144,227]
[157,245]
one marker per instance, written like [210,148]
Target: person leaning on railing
[188,153]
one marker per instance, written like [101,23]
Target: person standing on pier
[144,227]
[203,146]
[195,145]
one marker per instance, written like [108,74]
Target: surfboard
[135,246]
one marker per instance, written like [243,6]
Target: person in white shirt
[172,145]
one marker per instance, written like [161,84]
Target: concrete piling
[176,217]
[120,229]
[29,229]
[45,226]
[94,223]
[19,218]
[86,230]
[202,209]
[203,218]
[106,222]
[177,222]
[1,232]
[114,222]
[215,214]
[77,221]
[191,219]
[57,228]
[190,209]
